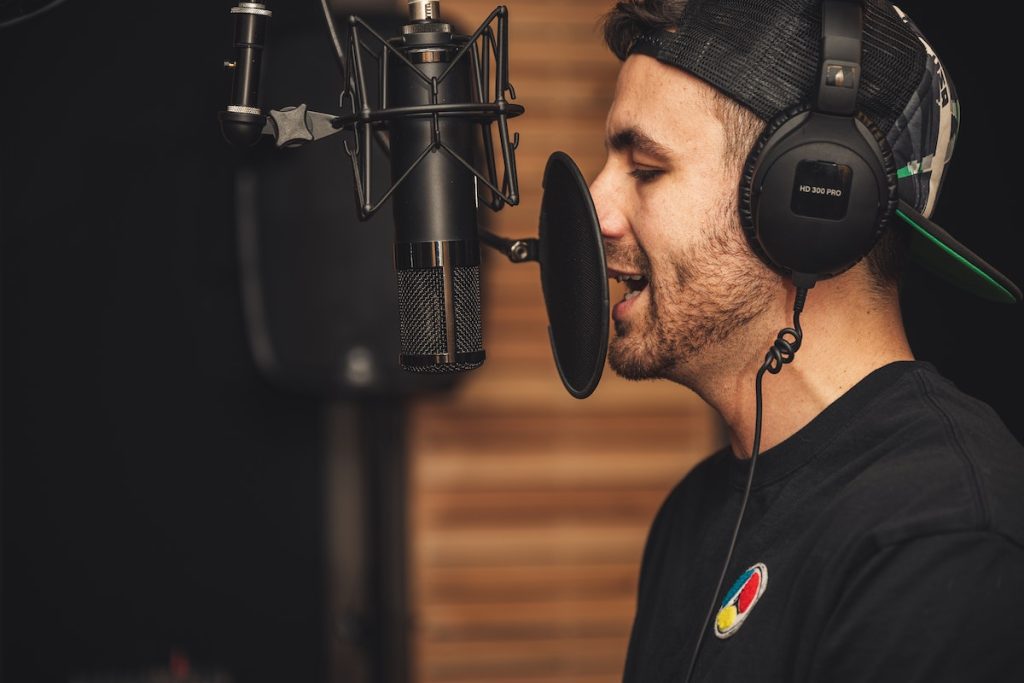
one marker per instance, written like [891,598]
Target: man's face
[666,199]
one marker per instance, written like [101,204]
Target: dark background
[160,497]
[974,342]
[164,485]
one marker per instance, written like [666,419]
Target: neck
[846,335]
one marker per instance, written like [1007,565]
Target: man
[883,539]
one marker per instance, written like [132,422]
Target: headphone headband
[841,28]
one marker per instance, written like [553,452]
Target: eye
[645,175]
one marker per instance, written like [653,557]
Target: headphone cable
[782,351]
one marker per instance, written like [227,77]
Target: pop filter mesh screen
[573,276]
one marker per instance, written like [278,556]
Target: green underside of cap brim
[957,265]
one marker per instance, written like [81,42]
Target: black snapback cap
[765,54]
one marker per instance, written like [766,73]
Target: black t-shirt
[887,539]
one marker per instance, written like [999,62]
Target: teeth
[630,295]
[623,278]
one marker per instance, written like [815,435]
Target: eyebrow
[638,141]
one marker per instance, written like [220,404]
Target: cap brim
[936,250]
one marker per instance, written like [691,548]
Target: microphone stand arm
[517,250]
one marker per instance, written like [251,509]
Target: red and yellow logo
[740,599]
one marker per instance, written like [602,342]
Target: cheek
[674,213]
[659,205]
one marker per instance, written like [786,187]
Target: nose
[608,205]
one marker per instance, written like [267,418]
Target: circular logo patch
[740,599]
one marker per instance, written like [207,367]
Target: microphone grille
[469,327]
[423,317]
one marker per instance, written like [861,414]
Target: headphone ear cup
[888,162]
[817,234]
[786,119]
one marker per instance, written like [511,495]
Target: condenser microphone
[433,117]
[437,249]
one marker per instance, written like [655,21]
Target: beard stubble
[701,297]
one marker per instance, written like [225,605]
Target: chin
[630,360]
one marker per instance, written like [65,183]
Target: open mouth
[635,283]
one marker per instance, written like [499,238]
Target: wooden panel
[447,587]
[528,621]
[549,657]
[530,508]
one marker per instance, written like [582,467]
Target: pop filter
[573,276]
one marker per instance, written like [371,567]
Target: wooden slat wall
[530,508]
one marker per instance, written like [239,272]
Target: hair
[629,19]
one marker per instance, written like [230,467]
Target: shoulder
[929,459]
[956,451]
[991,459]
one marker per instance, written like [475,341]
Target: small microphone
[437,249]
[243,121]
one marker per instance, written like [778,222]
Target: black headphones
[819,186]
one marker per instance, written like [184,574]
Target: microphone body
[437,250]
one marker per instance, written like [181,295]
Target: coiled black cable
[782,351]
